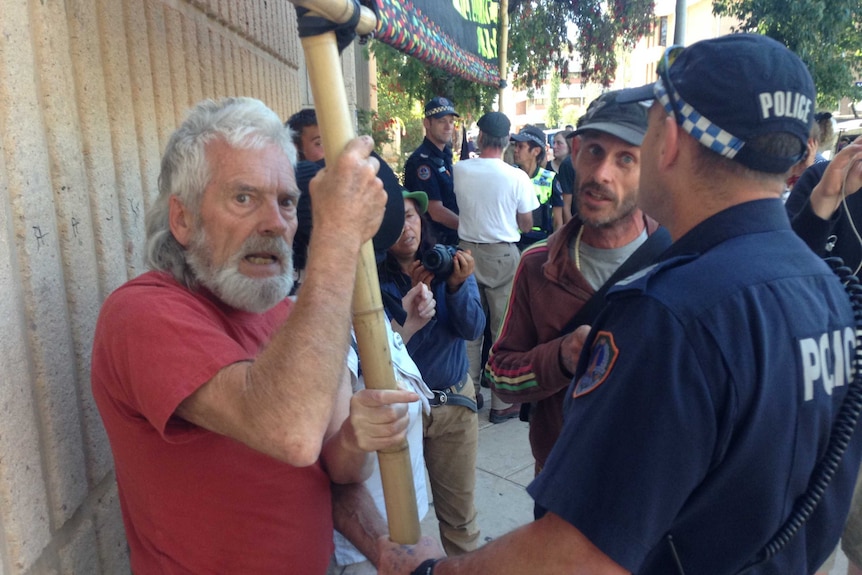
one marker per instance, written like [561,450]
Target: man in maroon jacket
[533,361]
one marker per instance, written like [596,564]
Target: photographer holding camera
[439,350]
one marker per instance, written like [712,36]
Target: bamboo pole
[502,46]
[336,129]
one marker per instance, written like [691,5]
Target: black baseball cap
[530,134]
[495,124]
[439,107]
[393,217]
[729,90]
[628,122]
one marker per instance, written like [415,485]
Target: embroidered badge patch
[602,358]
[424,172]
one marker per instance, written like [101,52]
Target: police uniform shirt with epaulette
[705,400]
[429,169]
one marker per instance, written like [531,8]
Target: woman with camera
[439,350]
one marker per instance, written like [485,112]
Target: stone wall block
[193,59]
[47,333]
[24,505]
[112,547]
[229,66]
[254,73]
[218,63]
[76,556]
[124,140]
[23,495]
[177,58]
[86,55]
[245,71]
[75,232]
[143,99]
[160,66]
[205,50]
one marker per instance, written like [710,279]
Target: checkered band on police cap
[439,107]
[530,134]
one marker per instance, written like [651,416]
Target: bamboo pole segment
[336,128]
[502,46]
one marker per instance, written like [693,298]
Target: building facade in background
[635,67]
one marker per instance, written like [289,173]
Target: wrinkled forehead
[265,163]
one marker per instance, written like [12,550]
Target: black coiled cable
[839,438]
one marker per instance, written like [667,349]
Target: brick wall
[90,91]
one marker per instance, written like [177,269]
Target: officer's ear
[669,142]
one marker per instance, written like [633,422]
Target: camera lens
[438,260]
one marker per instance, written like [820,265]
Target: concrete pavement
[504,468]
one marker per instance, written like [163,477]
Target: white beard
[254,295]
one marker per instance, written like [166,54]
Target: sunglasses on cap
[672,102]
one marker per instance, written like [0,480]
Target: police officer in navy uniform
[429,169]
[709,385]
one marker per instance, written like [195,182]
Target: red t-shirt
[194,501]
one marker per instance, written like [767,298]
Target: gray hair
[493,142]
[243,123]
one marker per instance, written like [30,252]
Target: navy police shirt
[705,400]
[429,170]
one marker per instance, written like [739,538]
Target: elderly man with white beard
[226,404]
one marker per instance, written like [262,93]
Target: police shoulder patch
[603,356]
[423,173]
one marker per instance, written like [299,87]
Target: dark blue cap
[439,107]
[495,124]
[728,91]
[531,135]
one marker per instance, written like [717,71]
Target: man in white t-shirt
[495,201]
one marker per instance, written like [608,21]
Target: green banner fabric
[459,36]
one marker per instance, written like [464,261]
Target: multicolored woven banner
[459,36]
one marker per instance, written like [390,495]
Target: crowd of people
[676,341]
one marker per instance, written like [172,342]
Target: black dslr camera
[439,260]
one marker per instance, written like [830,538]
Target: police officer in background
[708,387]
[429,169]
[530,157]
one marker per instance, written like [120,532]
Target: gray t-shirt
[598,265]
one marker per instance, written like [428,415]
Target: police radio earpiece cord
[839,438]
[847,211]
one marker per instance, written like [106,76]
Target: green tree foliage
[538,35]
[553,118]
[372,124]
[826,34]
[404,84]
[417,82]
